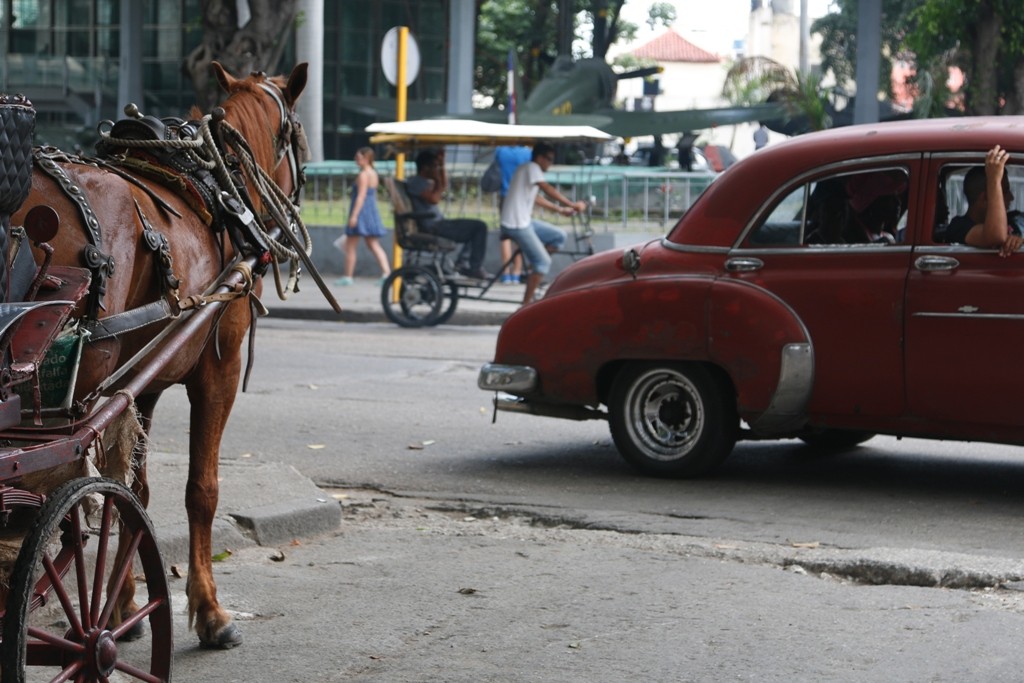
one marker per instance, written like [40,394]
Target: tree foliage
[661,14]
[984,38]
[755,80]
[839,39]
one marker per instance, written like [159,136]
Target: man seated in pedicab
[426,190]
[987,223]
[537,239]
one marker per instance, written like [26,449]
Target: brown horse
[127,208]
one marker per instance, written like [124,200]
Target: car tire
[672,420]
[835,439]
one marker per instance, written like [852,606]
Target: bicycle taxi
[426,289]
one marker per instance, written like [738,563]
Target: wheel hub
[673,412]
[671,416]
[104,650]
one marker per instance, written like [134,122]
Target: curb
[277,523]
[464,318]
[261,504]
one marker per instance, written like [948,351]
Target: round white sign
[389,57]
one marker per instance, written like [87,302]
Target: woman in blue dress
[364,218]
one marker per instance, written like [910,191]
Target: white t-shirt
[517,207]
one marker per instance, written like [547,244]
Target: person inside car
[985,223]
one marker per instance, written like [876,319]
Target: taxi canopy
[472,132]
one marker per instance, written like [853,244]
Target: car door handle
[933,263]
[743,264]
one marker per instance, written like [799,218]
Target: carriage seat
[407,229]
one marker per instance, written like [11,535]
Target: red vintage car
[808,293]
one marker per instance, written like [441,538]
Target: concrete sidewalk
[361,302]
[261,503]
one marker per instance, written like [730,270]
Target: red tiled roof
[672,47]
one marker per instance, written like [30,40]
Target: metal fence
[622,198]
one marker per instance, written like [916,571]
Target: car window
[850,208]
[951,201]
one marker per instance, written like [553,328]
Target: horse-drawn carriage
[122,274]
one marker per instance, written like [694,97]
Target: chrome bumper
[511,383]
[512,379]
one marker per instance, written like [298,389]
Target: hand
[566,210]
[1011,245]
[995,160]
[352,222]
[580,206]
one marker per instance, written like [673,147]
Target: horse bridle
[290,136]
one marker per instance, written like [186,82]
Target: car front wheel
[672,420]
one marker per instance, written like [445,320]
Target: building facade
[67,56]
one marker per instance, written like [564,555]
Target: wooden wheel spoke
[138,673]
[102,544]
[143,612]
[46,638]
[122,574]
[77,670]
[81,575]
[62,595]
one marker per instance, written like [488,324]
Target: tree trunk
[983,95]
[1015,103]
[257,46]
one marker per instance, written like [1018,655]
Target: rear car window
[863,207]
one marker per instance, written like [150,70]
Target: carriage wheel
[412,296]
[75,639]
[452,296]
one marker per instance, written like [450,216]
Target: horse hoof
[134,633]
[229,637]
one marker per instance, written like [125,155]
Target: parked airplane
[583,93]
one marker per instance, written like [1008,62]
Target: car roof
[719,215]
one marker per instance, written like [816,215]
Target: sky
[710,24]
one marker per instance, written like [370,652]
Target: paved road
[409,591]
[577,568]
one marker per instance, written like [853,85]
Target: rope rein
[204,151]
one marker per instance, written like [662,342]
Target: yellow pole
[403,38]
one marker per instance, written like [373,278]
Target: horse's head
[257,100]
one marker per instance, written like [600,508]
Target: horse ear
[297,81]
[223,77]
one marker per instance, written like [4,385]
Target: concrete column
[805,38]
[129,79]
[461,42]
[309,47]
[869,59]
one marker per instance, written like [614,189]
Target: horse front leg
[211,392]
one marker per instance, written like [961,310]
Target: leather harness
[170,166]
